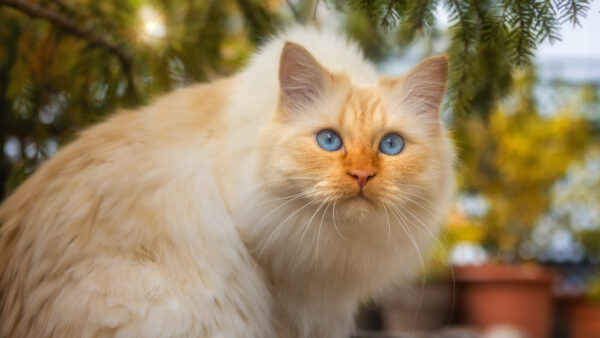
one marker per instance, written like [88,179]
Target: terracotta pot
[584,320]
[516,295]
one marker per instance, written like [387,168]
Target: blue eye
[329,140]
[391,144]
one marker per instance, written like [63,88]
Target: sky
[577,42]
[575,58]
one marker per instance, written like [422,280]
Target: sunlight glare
[154,26]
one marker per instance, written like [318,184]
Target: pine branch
[260,21]
[81,15]
[422,14]
[73,28]
[465,39]
[385,20]
[371,8]
[573,10]
[506,32]
[62,6]
[294,10]
[546,23]
[523,41]
[494,29]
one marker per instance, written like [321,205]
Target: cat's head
[360,147]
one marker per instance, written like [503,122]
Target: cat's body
[213,213]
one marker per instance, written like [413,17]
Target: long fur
[213,212]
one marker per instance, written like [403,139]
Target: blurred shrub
[513,160]
[66,64]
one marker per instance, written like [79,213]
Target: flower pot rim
[495,272]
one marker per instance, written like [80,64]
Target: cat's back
[124,140]
[112,234]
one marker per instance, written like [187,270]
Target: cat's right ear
[421,90]
[302,80]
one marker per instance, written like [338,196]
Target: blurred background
[519,255]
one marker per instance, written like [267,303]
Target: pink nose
[361,176]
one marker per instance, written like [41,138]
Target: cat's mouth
[356,207]
[357,196]
[361,196]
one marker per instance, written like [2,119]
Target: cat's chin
[358,207]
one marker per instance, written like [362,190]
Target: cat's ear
[422,89]
[302,80]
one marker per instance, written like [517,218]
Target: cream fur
[183,218]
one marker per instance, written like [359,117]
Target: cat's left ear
[422,89]
[302,79]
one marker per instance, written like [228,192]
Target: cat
[266,204]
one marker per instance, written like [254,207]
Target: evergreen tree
[489,38]
[67,63]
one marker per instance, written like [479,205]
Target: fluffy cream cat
[268,204]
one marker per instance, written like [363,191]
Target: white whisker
[335,224]
[389,225]
[266,243]
[252,205]
[406,227]
[428,231]
[319,235]
[308,224]
[427,210]
[303,194]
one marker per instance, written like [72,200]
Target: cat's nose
[361,176]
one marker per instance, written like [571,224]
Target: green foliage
[513,159]
[590,239]
[489,38]
[65,64]
[573,10]
[592,291]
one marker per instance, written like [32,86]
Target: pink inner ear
[301,77]
[423,87]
